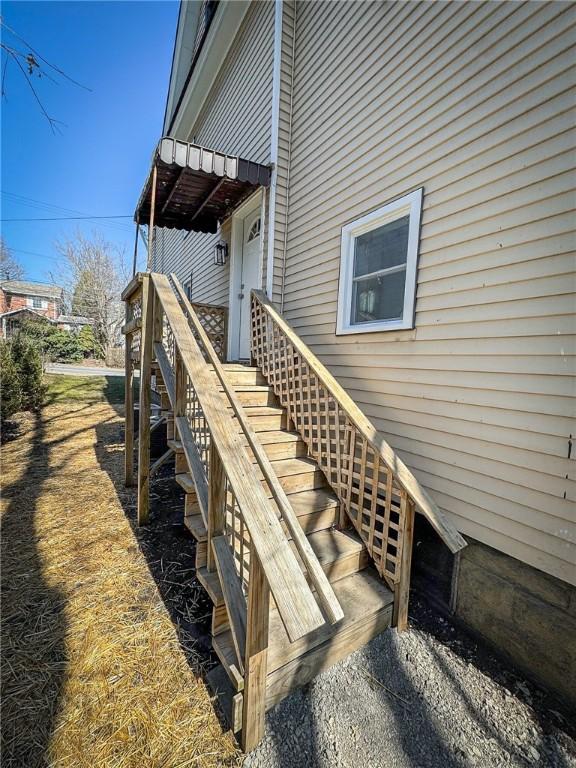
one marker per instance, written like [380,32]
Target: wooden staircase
[302,515]
[366,600]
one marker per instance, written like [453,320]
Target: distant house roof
[29,288]
[26,311]
[75,320]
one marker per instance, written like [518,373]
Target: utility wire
[68,218]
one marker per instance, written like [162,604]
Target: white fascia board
[177,53]
[220,37]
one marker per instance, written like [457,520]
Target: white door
[249,275]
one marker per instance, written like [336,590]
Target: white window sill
[393,325]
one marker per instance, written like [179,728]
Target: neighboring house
[26,300]
[417,231]
[44,298]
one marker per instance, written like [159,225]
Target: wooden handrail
[424,503]
[292,594]
[324,590]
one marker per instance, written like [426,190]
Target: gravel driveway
[416,700]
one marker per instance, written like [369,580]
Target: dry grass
[93,670]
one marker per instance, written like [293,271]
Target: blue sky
[98,163]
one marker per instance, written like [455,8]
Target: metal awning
[195,187]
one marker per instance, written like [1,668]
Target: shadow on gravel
[34,657]
[422,744]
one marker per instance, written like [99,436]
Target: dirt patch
[104,635]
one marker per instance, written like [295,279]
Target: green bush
[28,363]
[87,342]
[53,343]
[10,388]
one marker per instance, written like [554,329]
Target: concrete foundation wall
[527,614]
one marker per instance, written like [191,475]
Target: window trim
[410,204]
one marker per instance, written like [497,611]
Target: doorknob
[240,295]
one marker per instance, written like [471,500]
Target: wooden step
[184,479]
[254,394]
[238,374]
[195,524]
[367,603]
[280,444]
[299,474]
[266,418]
[176,446]
[340,553]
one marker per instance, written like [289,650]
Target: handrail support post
[216,501]
[256,661]
[145,394]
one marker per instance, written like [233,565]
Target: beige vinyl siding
[234,119]
[289,9]
[474,102]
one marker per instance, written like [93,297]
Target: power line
[69,218]
[43,206]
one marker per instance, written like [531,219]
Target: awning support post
[135,259]
[152,212]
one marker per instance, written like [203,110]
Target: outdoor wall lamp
[220,253]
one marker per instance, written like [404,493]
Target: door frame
[248,208]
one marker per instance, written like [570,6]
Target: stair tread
[278,436]
[195,524]
[315,500]
[262,410]
[362,596]
[184,479]
[176,445]
[296,465]
[332,544]
[237,367]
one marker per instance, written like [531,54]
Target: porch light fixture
[220,253]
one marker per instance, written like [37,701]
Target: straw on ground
[93,671]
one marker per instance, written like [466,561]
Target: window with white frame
[38,303]
[379,257]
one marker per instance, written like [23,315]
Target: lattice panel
[237,536]
[136,306]
[198,424]
[214,320]
[365,486]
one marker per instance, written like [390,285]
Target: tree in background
[10,269]
[10,391]
[96,273]
[28,364]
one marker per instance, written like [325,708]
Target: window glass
[36,303]
[378,298]
[381,248]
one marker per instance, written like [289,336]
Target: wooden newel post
[402,590]
[216,502]
[256,659]
[128,403]
[144,411]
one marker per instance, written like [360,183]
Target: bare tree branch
[52,66]
[30,60]
[52,121]
[10,268]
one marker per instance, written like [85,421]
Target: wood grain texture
[254,705]
[271,478]
[293,597]
[144,411]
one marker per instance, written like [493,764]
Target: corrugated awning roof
[196,188]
